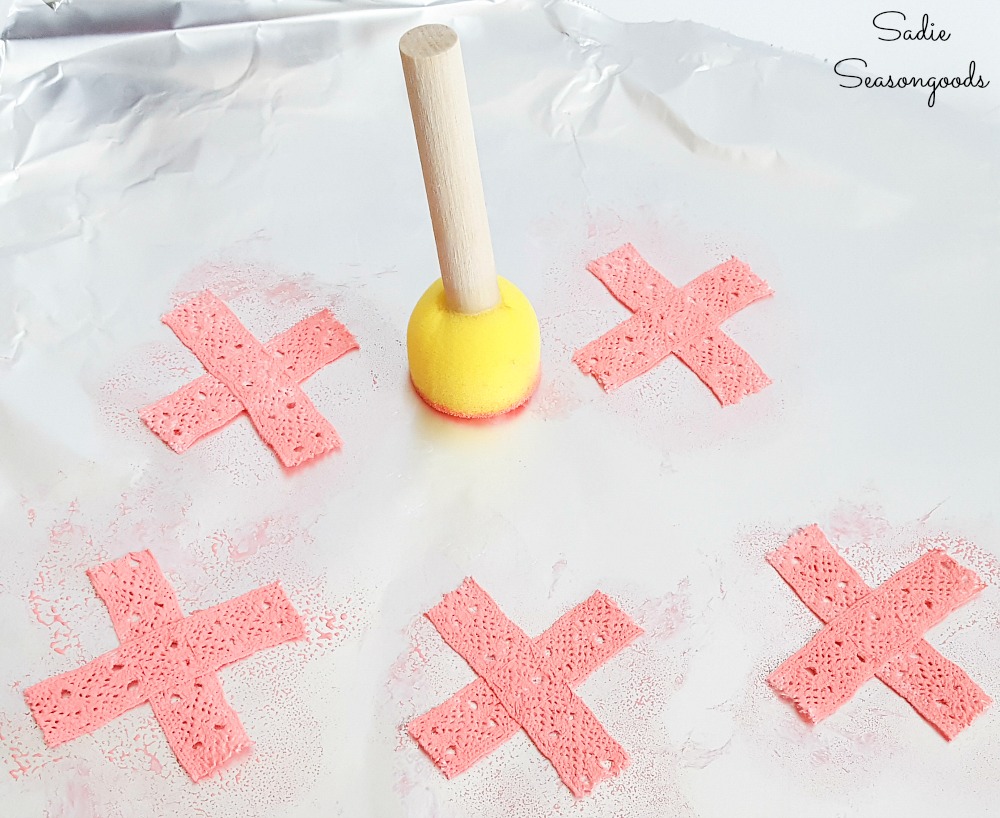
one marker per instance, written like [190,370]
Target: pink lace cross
[525,684]
[168,660]
[876,633]
[245,375]
[670,321]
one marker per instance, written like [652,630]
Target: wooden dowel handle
[442,120]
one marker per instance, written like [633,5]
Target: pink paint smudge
[249,545]
[52,604]
[221,541]
[857,522]
[554,399]
[155,765]
[29,512]
[23,748]
[663,616]
[697,756]
[968,553]
[406,676]
[292,292]
[131,747]
[557,571]
[330,624]
[230,279]
[46,611]
[326,624]
[76,801]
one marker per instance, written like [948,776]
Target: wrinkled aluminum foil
[265,151]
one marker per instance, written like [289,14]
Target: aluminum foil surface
[264,151]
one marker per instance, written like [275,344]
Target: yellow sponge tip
[474,366]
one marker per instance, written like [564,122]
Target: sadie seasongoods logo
[893,27]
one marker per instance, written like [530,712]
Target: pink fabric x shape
[525,684]
[671,321]
[245,375]
[876,633]
[168,660]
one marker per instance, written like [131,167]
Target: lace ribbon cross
[876,634]
[670,321]
[168,660]
[245,375]
[525,684]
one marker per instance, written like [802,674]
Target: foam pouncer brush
[473,342]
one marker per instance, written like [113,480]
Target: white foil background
[265,150]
